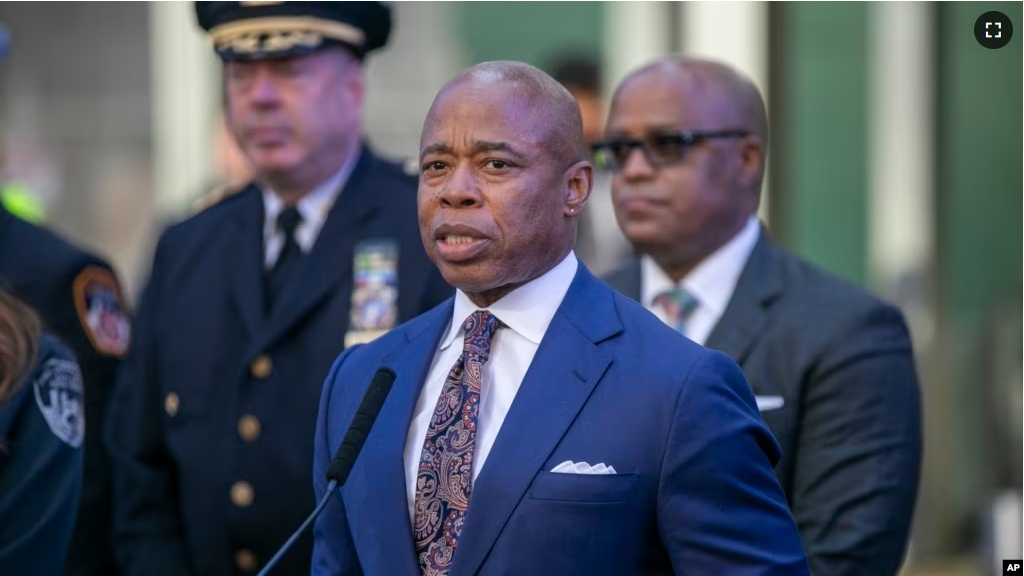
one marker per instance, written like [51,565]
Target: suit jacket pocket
[595,488]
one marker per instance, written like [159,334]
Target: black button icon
[993,30]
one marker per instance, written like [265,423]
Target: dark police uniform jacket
[79,299]
[216,409]
[41,436]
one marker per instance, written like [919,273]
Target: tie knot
[678,304]
[288,220]
[479,328]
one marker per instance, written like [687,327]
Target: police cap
[258,30]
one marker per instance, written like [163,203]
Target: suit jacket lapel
[246,268]
[382,461]
[567,367]
[759,285]
[330,260]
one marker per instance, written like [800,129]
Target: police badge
[374,308]
[60,396]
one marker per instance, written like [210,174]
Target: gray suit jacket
[850,423]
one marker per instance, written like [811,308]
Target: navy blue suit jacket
[212,422]
[694,493]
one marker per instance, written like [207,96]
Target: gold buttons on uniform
[242,494]
[245,560]
[249,428]
[261,366]
[171,403]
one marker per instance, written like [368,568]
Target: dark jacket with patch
[41,464]
[213,437]
[40,268]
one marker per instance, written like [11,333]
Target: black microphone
[359,429]
[347,453]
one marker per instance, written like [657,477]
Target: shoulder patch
[101,311]
[60,397]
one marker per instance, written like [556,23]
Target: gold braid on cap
[274,34]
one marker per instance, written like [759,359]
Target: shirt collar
[713,281]
[528,310]
[313,206]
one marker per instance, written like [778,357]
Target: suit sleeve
[148,536]
[859,450]
[720,507]
[334,552]
[41,479]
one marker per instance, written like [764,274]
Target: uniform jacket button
[249,428]
[245,560]
[261,367]
[171,404]
[242,494]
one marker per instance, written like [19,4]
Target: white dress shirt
[314,208]
[712,282]
[526,312]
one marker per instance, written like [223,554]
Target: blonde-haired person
[42,424]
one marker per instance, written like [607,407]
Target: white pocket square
[570,467]
[765,403]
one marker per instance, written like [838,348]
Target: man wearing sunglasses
[832,367]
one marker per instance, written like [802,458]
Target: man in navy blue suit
[250,301]
[540,423]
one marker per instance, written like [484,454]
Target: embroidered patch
[60,397]
[101,311]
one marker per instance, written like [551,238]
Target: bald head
[503,177]
[550,113]
[720,93]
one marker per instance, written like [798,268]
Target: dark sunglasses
[659,149]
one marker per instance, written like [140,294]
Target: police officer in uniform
[42,427]
[250,301]
[79,299]
[41,435]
